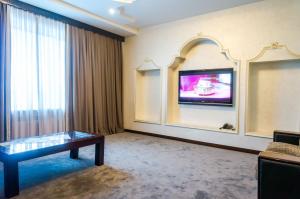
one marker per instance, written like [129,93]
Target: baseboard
[232,148]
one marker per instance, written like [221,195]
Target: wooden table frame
[10,162]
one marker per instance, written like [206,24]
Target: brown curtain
[3,71]
[95,98]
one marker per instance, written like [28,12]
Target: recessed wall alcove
[273,91]
[148,93]
[201,52]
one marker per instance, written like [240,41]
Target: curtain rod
[7,3]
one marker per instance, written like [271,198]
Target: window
[37,62]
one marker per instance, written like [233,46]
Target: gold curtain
[95,97]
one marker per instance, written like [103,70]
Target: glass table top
[39,142]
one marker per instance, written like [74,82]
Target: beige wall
[243,30]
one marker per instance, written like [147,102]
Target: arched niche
[148,92]
[272,91]
[201,52]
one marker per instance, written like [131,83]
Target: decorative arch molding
[148,64]
[274,53]
[173,115]
[197,40]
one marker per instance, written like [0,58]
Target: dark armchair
[279,172]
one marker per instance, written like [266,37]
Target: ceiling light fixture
[125,1]
[112,11]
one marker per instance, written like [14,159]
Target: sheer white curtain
[38,74]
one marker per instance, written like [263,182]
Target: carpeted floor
[141,167]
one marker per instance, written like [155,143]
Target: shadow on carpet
[57,176]
[91,182]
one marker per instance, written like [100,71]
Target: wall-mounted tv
[206,87]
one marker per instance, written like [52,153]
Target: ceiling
[139,14]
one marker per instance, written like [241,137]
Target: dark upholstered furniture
[279,173]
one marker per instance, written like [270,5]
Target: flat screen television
[206,87]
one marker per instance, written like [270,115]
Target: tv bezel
[205,101]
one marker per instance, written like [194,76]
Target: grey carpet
[141,167]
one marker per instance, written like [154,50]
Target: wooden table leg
[11,178]
[99,153]
[74,153]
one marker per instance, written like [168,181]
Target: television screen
[211,87]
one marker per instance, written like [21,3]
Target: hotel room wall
[244,30]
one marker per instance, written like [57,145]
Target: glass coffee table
[33,147]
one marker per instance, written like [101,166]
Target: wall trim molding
[180,57]
[274,46]
[220,146]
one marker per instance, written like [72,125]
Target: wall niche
[201,52]
[148,93]
[273,92]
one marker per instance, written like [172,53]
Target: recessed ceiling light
[125,1]
[112,11]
